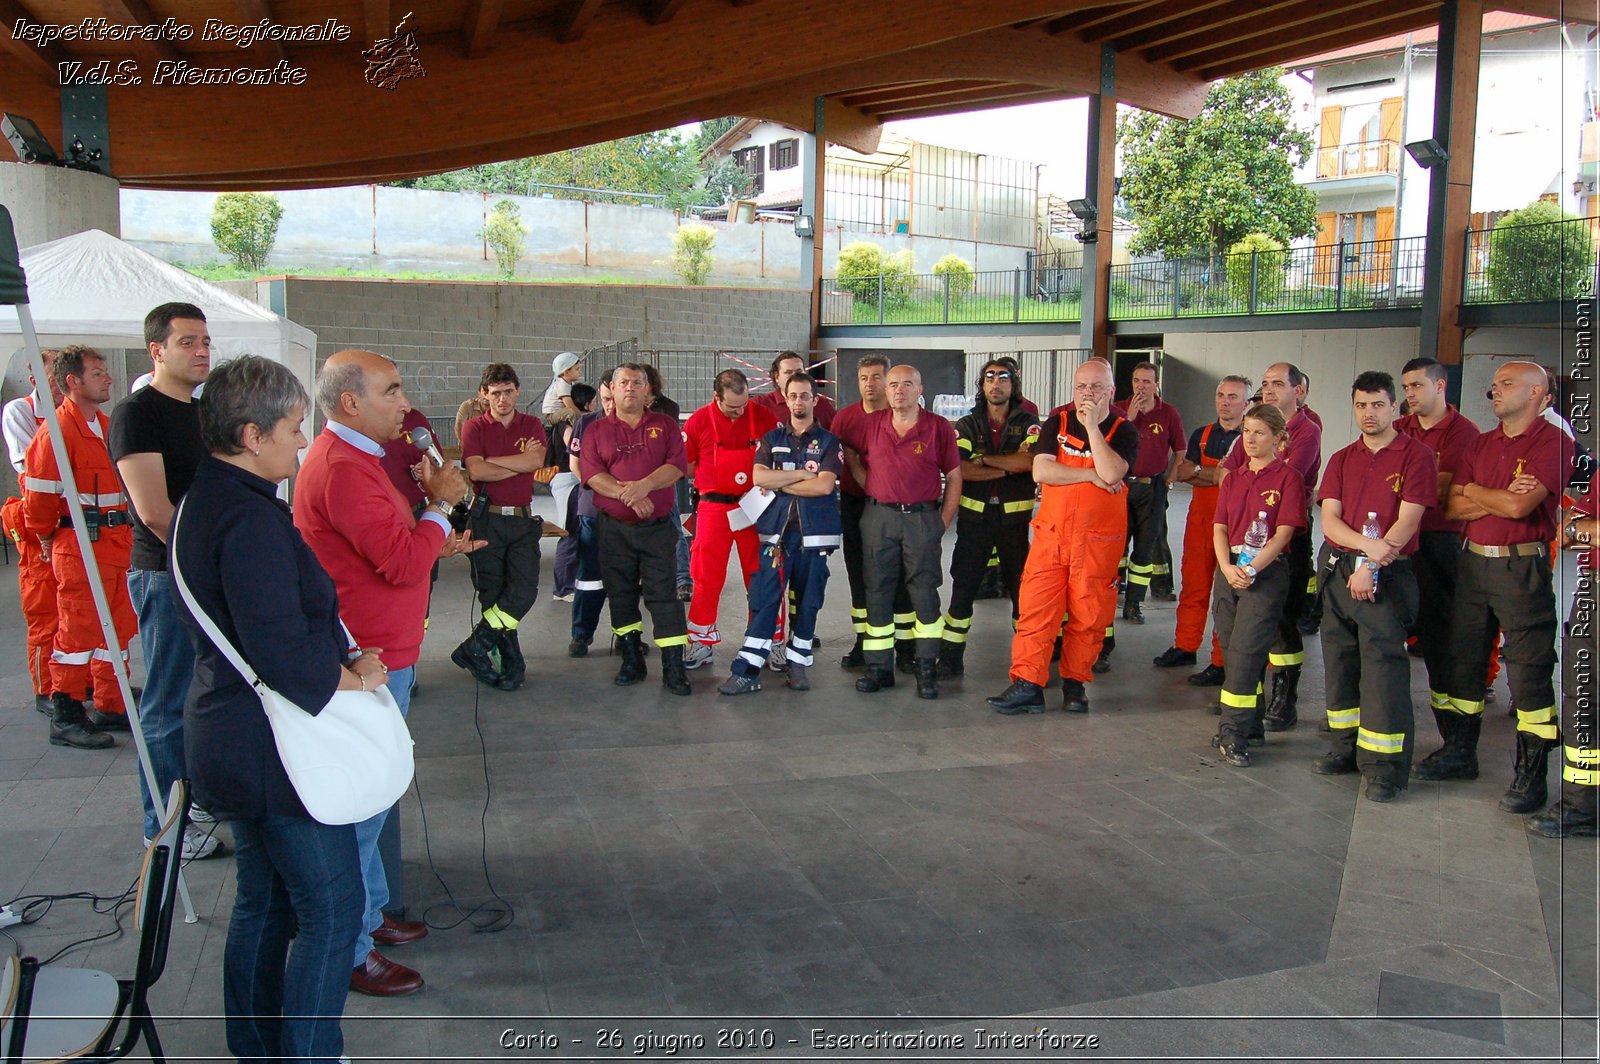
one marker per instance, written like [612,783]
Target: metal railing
[1533,263]
[987,296]
[1358,160]
[1365,275]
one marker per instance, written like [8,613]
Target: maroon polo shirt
[633,453]
[824,411]
[846,422]
[1160,436]
[1365,481]
[1494,460]
[1448,440]
[1303,452]
[723,448]
[905,469]
[1275,488]
[485,437]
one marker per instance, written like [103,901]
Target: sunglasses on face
[996,375]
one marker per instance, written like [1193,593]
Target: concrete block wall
[442,334]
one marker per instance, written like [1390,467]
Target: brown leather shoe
[398,932]
[381,977]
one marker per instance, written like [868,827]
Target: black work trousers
[1147,524]
[1435,563]
[903,548]
[1246,624]
[641,560]
[1366,670]
[505,573]
[978,536]
[1289,648]
[1516,596]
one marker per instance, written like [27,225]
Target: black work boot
[473,655]
[1282,712]
[69,725]
[876,679]
[673,676]
[1102,661]
[1572,816]
[1074,699]
[632,670]
[1528,791]
[511,657]
[927,670]
[905,655]
[952,660]
[1457,759]
[1021,697]
[857,656]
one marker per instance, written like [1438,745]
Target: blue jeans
[681,507]
[296,878]
[367,832]
[168,668]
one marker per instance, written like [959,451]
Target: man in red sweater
[362,531]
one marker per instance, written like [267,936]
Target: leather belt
[511,511]
[1141,480]
[109,518]
[1514,550]
[906,507]
[720,496]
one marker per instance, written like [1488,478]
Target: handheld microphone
[422,439]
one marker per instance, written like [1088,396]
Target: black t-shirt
[146,422]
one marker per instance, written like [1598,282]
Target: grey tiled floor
[795,856]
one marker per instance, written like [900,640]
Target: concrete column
[49,202]
[812,193]
[1100,183]
[1455,121]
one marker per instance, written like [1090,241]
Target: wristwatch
[1571,533]
[1371,565]
[1248,570]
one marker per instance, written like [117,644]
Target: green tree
[1533,258]
[691,252]
[1269,264]
[244,226]
[504,233]
[1198,186]
[727,181]
[862,263]
[957,273]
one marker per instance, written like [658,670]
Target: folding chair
[56,1013]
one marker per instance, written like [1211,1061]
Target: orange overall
[1199,562]
[79,643]
[37,586]
[1079,533]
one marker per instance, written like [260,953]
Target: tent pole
[119,662]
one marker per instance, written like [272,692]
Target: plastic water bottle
[1370,529]
[1255,538]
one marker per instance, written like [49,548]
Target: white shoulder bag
[349,762]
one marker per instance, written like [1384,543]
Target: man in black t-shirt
[155,441]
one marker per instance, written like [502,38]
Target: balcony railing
[941,299]
[1368,275]
[1358,160]
[1531,263]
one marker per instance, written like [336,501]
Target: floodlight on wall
[1428,153]
[804,226]
[27,140]
[1084,209]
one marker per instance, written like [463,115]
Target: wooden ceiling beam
[1094,16]
[481,24]
[1272,18]
[43,63]
[137,13]
[1148,17]
[573,17]
[258,11]
[876,100]
[1334,34]
[1555,10]
[937,110]
[660,12]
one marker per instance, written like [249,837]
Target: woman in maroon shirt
[1247,599]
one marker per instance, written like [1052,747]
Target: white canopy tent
[91,288]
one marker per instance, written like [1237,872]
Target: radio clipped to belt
[94,518]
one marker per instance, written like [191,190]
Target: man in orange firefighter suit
[1200,467]
[720,441]
[1079,531]
[80,643]
[37,584]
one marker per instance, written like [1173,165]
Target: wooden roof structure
[510,78]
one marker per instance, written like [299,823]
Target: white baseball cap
[563,362]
